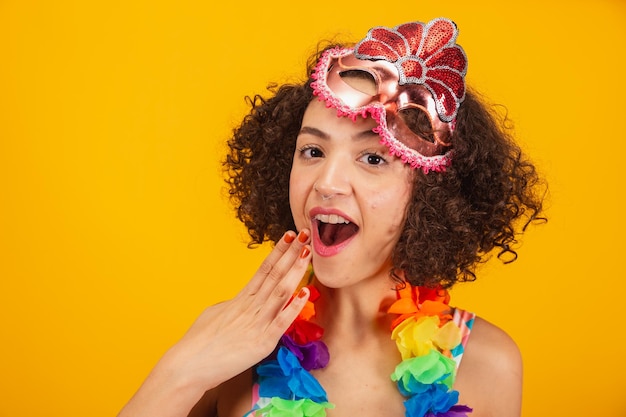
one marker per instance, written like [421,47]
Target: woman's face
[350,192]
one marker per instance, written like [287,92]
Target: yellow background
[114,229]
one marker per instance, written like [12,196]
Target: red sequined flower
[423,54]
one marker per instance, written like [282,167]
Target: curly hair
[454,220]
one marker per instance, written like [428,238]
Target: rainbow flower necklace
[425,335]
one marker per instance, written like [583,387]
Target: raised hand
[229,337]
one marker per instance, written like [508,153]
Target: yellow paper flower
[418,337]
[448,336]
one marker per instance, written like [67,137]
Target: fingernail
[302,236]
[303,292]
[304,252]
[289,237]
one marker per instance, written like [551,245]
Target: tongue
[334,234]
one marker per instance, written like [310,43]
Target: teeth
[331,218]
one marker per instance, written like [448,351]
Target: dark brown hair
[482,201]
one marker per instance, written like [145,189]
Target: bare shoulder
[490,376]
[492,347]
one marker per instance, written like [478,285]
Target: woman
[398,182]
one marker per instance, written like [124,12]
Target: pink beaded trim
[436,163]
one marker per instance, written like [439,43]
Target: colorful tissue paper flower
[454,411]
[419,295]
[448,336]
[279,407]
[286,378]
[414,302]
[303,332]
[432,294]
[435,399]
[433,367]
[312,355]
[308,311]
[418,337]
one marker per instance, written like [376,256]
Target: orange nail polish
[289,237]
[304,252]
[302,293]
[302,236]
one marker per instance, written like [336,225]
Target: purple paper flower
[312,355]
[454,411]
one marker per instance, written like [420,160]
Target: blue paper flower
[432,399]
[287,379]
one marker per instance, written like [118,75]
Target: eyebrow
[309,130]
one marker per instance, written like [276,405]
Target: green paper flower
[427,369]
[295,408]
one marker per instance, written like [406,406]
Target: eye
[373,159]
[310,152]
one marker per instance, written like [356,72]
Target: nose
[333,179]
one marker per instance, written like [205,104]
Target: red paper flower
[302,331]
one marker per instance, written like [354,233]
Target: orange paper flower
[419,302]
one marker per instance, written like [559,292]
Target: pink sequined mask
[393,72]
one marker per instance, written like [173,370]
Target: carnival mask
[410,79]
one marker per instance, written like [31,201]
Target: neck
[357,311]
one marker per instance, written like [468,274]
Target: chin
[328,275]
[333,273]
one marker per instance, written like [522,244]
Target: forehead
[325,118]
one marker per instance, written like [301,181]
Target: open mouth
[333,230]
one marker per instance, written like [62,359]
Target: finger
[282,267]
[283,291]
[258,278]
[287,315]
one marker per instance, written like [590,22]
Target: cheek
[297,200]
[390,205]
